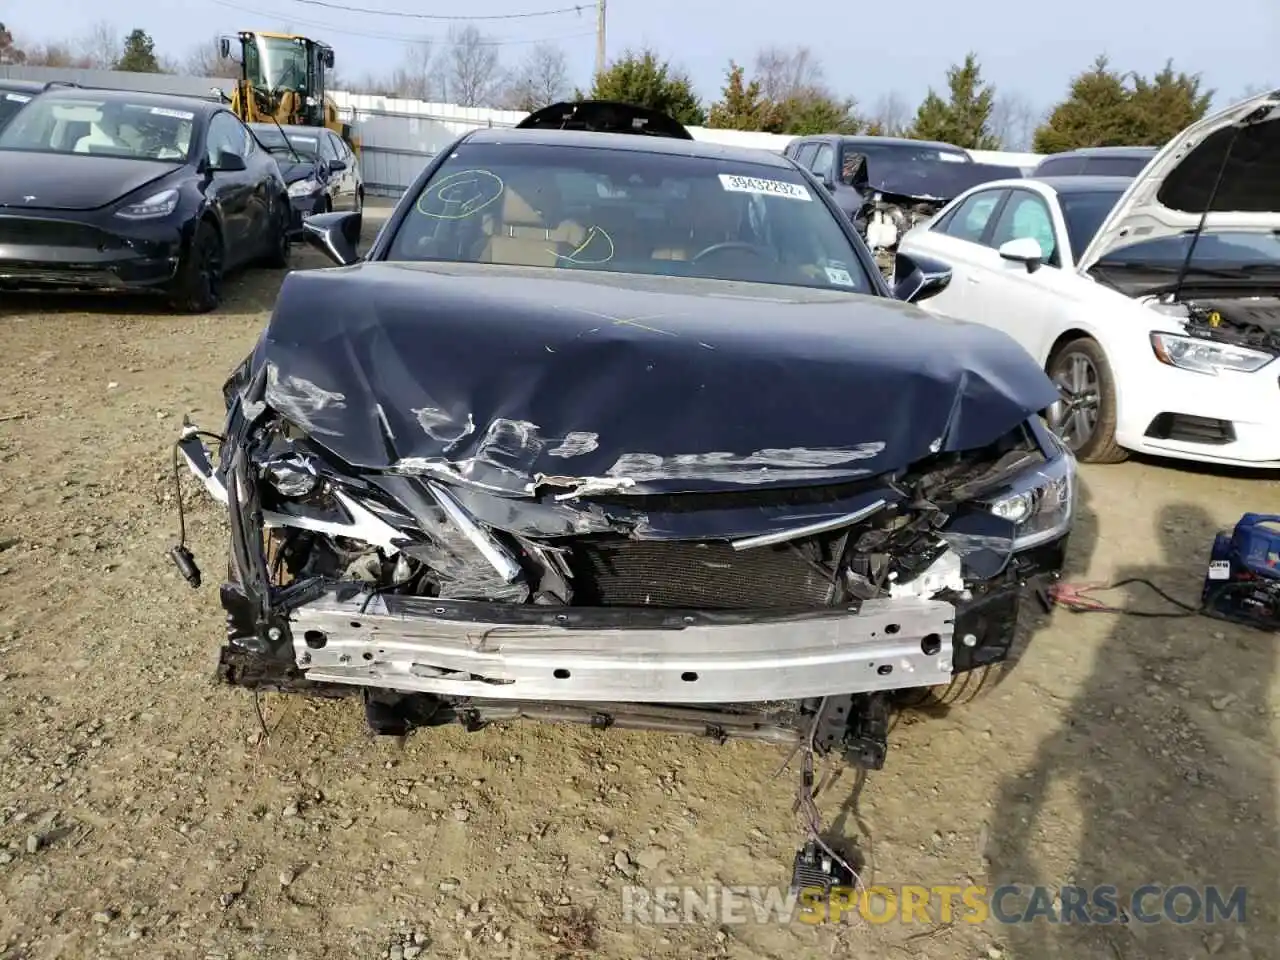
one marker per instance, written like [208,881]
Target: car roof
[195,105]
[21,86]
[630,143]
[1084,184]
[902,142]
[1106,152]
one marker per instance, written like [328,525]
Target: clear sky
[867,50]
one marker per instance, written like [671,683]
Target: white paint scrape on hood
[1240,143]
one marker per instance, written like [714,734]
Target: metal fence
[398,137]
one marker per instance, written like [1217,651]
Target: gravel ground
[144,814]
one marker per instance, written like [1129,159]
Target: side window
[804,154]
[1027,215]
[969,220]
[328,148]
[825,159]
[225,133]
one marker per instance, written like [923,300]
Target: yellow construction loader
[282,77]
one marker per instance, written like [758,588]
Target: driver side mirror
[826,182]
[224,48]
[337,166]
[919,278]
[336,235]
[229,162]
[1025,250]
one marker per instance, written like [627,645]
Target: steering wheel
[762,252]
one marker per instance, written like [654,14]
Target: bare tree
[472,71]
[58,55]
[892,115]
[206,60]
[1013,121]
[415,77]
[102,45]
[540,80]
[789,74]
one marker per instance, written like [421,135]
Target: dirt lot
[143,814]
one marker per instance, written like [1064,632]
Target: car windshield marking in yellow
[576,255]
[467,191]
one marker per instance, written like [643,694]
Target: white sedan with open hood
[1154,304]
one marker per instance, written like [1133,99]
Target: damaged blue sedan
[615,426]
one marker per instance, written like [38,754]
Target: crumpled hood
[939,180]
[1241,144]
[508,377]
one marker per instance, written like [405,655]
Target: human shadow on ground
[849,832]
[1164,764]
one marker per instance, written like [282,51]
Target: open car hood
[939,180]
[512,378]
[604,116]
[1170,196]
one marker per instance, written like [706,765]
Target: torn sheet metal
[491,376]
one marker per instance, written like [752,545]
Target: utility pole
[599,37]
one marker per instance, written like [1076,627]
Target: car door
[264,172]
[353,170]
[336,180]
[231,191]
[348,173]
[956,238]
[1026,303]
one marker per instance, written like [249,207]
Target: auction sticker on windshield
[17,98]
[176,114]
[773,188]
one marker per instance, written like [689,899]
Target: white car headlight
[158,205]
[1205,356]
[303,188]
[1041,502]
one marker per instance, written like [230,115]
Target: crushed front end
[770,612]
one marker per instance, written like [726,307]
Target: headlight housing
[1041,502]
[1205,356]
[292,477]
[303,188]
[157,205]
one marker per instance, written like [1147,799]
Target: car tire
[280,245]
[198,286]
[1081,366]
[965,687]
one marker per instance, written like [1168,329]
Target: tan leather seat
[523,235]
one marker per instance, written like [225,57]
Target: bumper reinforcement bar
[468,649]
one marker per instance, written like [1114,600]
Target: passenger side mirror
[229,162]
[826,182]
[918,278]
[336,235]
[1024,250]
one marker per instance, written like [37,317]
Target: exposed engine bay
[1252,322]
[886,219]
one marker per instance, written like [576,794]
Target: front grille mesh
[708,576]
